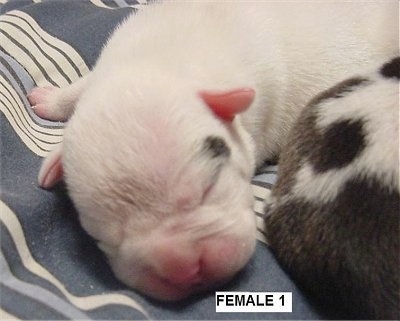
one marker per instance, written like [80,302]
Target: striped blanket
[50,268]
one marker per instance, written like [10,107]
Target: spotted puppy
[333,217]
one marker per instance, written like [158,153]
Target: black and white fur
[186,99]
[333,217]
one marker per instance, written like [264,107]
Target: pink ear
[226,104]
[51,171]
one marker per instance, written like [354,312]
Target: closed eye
[210,187]
[207,192]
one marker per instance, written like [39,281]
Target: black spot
[391,69]
[340,90]
[216,147]
[340,144]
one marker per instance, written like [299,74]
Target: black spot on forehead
[391,69]
[340,90]
[216,147]
[339,145]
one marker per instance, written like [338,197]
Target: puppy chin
[153,286]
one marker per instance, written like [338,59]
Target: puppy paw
[46,103]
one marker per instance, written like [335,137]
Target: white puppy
[156,157]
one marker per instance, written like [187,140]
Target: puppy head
[160,176]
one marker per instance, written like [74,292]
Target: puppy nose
[177,263]
[190,275]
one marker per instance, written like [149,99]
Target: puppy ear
[226,104]
[51,171]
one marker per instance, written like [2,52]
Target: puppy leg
[55,103]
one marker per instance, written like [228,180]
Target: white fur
[130,147]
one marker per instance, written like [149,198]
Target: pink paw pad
[39,99]
[39,95]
